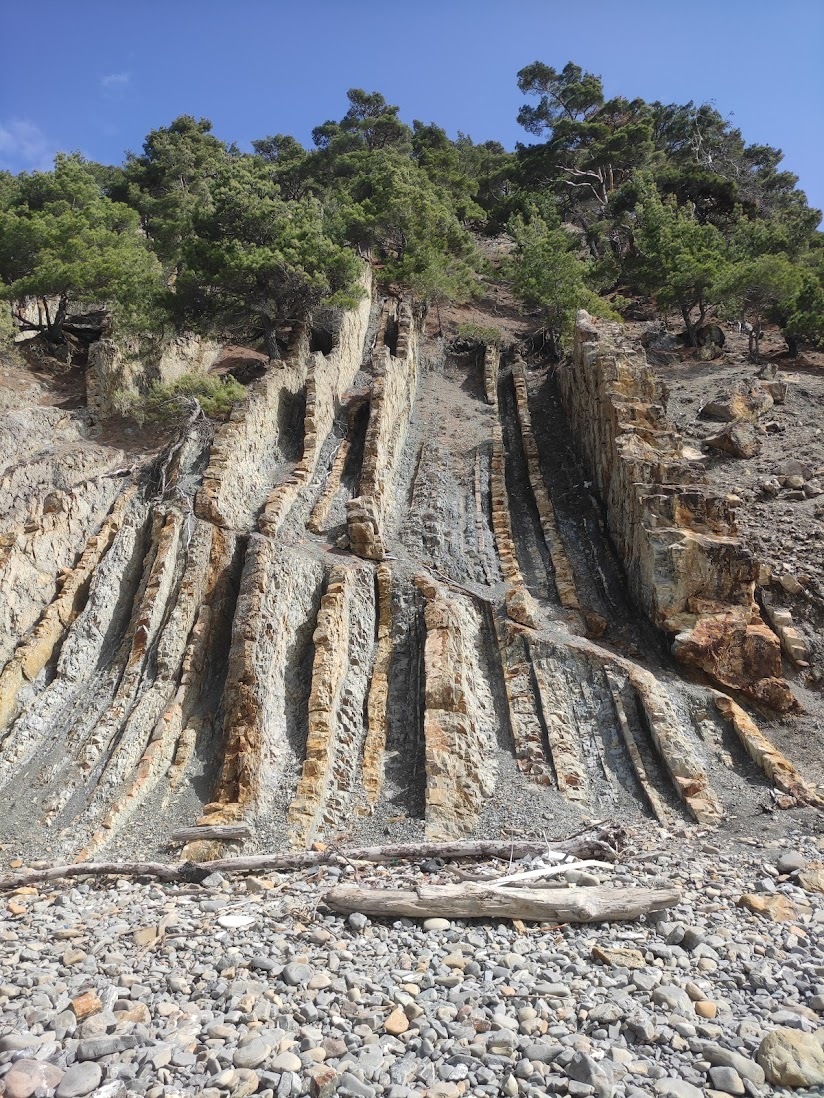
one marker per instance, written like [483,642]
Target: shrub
[175,401]
[478,333]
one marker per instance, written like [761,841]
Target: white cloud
[25,147]
[115,81]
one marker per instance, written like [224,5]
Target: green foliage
[169,184]
[255,261]
[392,208]
[60,236]
[174,402]
[289,163]
[678,260]
[370,123]
[480,333]
[442,161]
[549,278]
[614,194]
[752,288]
[802,316]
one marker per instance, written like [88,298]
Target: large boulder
[745,401]
[792,1058]
[737,439]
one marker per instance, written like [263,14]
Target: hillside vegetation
[613,197]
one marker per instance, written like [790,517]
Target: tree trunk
[480,901]
[597,842]
[270,339]
[688,324]
[54,333]
[554,346]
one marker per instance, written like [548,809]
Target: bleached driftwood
[481,901]
[599,842]
[226,833]
[547,871]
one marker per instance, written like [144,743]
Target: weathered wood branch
[601,842]
[480,901]
[222,832]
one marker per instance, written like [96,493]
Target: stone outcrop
[458,720]
[264,429]
[196,642]
[126,367]
[328,378]
[377,702]
[776,766]
[281,427]
[561,565]
[38,647]
[393,396]
[520,605]
[56,488]
[685,565]
[267,679]
[343,638]
[492,365]
[523,701]
[792,639]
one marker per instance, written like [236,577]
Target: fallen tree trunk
[600,842]
[480,901]
[226,833]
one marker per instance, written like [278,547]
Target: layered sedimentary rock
[267,679]
[393,396]
[458,719]
[344,634]
[206,647]
[685,564]
[126,367]
[284,421]
[561,566]
[38,647]
[56,488]
[329,377]
[492,363]
[520,605]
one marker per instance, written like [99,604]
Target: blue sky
[97,76]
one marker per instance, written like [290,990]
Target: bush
[175,401]
[477,333]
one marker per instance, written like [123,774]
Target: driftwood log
[600,842]
[481,901]
[226,833]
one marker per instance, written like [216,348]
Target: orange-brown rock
[685,564]
[458,718]
[85,1005]
[778,908]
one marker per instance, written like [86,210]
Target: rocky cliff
[677,539]
[379,599]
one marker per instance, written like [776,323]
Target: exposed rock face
[127,367]
[393,397]
[458,717]
[55,490]
[685,565]
[313,617]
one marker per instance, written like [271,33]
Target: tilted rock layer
[369,603]
[685,564]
